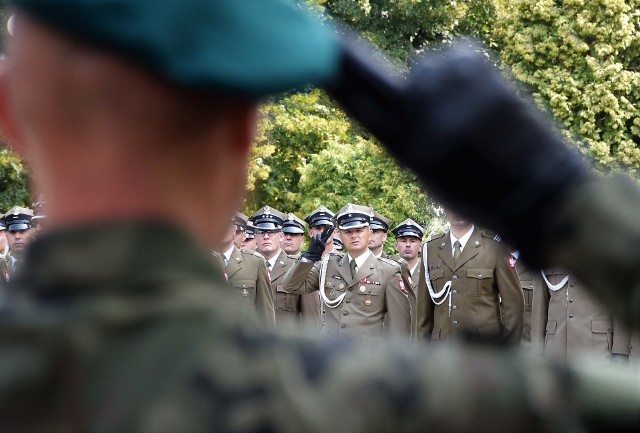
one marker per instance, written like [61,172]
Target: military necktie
[456,251]
[352,265]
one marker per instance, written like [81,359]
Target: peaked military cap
[18,218]
[251,47]
[337,243]
[408,227]
[293,224]
[240,221]
[268,219]
[353,216]
[321,216]
[2,226]
[379,222]
[249,231]
[39,211]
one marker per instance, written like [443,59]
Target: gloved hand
[474,144]
[317,245]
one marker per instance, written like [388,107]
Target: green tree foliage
[14,190]
[582,61]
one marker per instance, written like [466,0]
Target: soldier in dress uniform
[249,242]
[291,309]
[408,243]
[471,287]
[4,251]
[360,292]
[379,227]
[20,233]
[246,273]
[319,220]
[527,276]
[240,222]
[293,231]
[566,321]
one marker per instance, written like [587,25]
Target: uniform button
[571,301]
[454,292]
[455,322]
[570,316]
[455,307]
[455,277]
[572,284]
[350,288]
[347,301]
[343,326]
[345,313]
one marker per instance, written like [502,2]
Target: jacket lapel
[235,262]
[344,270]
[278,267]
[470,249]
[444,250]
[366,269]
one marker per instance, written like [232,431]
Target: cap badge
[267,210]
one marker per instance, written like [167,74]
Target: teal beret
[250,47]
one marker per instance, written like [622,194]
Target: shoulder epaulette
[389,261]
[252,253]
[292,257]
[336,253]
[437,236]
[492,236]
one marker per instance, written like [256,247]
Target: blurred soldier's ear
[7,124]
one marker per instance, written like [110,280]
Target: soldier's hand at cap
[474,143]
[317,245]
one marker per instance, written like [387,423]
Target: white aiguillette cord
[324,261]
[555,287]
[446,290]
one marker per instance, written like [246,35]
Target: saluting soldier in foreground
[123,324]
[471,287]
[359,291]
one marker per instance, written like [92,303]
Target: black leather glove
[317,245]
[474,144]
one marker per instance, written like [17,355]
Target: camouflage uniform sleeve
[539,312]
[302,278]
[511,296]
[398,317]
[293,386]
[264,297]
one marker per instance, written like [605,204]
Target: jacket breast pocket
[333,288]
[527,291]
[480,281]
[437,279]
[285,301]
[369,296]
[246,288]
[602,336]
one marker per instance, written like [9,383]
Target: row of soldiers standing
[462,283]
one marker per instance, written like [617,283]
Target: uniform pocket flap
[280,288]
[479,273]
[494,330]
[526,284]
[555,271]
[552,325]
[243,284]
[601,326]
[434,274]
